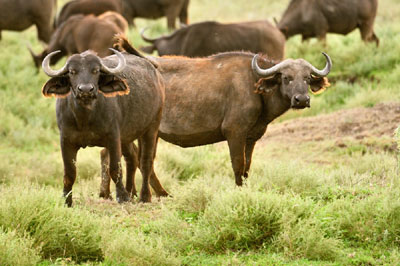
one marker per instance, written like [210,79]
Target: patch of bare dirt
[358,123]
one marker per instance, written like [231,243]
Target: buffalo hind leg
[154,181]
[147,146]
[114,148]
[183,14]
[130,153]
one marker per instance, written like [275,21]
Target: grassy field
[294,210]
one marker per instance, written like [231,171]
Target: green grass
[309,203]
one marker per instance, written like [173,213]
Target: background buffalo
[18,15]
[80,33]
[207,38]
[316,18]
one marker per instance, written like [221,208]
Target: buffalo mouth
[86,98]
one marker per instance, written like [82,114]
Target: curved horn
[121,64]
[269,71]
[144,37]
[326,70]
[47,69]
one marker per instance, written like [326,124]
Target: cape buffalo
[207,38]
[107,102]
[18,15]
[80,33]
[231,96]
[317,17]
[156,9]
[86,7]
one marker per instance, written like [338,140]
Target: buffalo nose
[301,101]
[86,88]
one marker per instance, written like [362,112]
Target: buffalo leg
[237,149]
[44,31]
[68,152]
[147,147]
[114,149]
[105,174]
[154,181]
[367,32]
[130,153]
[183,15]
[248,153]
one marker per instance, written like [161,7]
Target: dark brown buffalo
[156,9]
[207,38]
[107,102]
[86,7]
[18,15]
[80,33]
[318,17]
[231,96]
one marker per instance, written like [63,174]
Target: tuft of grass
[57,231]
[17,249]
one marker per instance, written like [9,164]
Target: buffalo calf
[80,33]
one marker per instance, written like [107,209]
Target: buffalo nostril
[297,98]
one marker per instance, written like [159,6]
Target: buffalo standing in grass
[156,9]
[107,102]
[80,33]
[86,7]
[130,9]
[231,96]
[18,15]
[315,18]
[207,38]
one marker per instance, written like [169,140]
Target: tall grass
[312,203]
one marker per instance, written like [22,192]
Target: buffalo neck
[82,114]
[274,105]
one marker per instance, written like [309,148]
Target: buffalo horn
[326,70]
[121,64]
[47,69]
[144,37]
[272,70]
[269,71]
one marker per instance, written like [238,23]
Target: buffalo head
[84,76]
[293,77]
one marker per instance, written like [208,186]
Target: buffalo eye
[287,80]
[72,71]
[95,71]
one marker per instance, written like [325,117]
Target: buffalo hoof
[162,194]
[105,195]
[123,196]
[145,197]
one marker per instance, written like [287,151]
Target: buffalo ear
[57,86]
[267,86]
[110,86]
[318,84]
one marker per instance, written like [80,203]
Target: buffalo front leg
[105,175]
[237,150]
[68,152]
[248,153]
[116,170]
